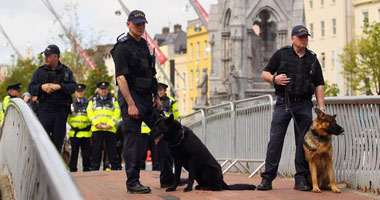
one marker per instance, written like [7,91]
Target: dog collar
[182,136]
[309,147]
[316,134]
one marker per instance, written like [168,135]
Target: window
[378,15]
[198,50]
[363,17]
[323,60]
[334,26]
[191,51]
[311,3]
[198,77]
[333,1]
[322,2]
[322,29]
[191,79]
[311,30]
[205,50]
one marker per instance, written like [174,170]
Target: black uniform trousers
[133,139]
[302,111]
[148,144]
[84,144]
[97,142]
[53,118]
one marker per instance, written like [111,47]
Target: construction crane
[161,58]
[87,59]
[202,14]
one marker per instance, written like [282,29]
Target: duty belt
[76,130]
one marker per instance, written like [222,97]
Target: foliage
[331,90]
[99,74]
[361,60]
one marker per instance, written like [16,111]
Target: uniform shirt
[274,64]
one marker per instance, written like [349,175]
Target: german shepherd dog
[189,152]
[318,151]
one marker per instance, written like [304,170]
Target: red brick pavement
[111,185]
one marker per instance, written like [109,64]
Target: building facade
[365,9]
[331,25]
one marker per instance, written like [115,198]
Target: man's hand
[106,126]
[55,87]
[47,88]
[281,79]
[99,126]
[35,99]
[133,111]
[157,103]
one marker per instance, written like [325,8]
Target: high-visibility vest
[145,129]
[4,107]
[103,112]
[78,120]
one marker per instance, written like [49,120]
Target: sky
[30,23]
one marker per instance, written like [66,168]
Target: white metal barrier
[237,134]
[30,160]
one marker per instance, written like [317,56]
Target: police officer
[104,111]
[296,75]
[13,91]
[80,132]
[51,87]
[135,75]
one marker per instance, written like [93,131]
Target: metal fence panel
[29,158]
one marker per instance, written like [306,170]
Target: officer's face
[15,93]
[79,94]
[300,41]
[161,92]
[51,59]
[103,92]
[136,29]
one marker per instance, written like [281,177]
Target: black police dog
[189,152]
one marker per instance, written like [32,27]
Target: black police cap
[16,86]
[80,87]
[162,85]
[137,17]
[103,85]
[300,30]
[51,49]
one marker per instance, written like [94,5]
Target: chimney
[177,28]
[165,30]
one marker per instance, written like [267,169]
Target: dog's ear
[170,119]
[318,112]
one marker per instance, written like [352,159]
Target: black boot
[139,189]
[265,185]
[302,185]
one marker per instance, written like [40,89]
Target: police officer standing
[80,132]
[104,111]
[135,75]
[51,87]
[13,91]
[296,75]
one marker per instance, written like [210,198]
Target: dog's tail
[239,187]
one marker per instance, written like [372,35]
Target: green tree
[97,75]
[361,60]
[22,73]
[331,90]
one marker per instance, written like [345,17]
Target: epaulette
[120,39]
[312,52]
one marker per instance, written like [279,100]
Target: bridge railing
[237,134]
[30,160]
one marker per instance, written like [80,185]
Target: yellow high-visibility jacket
[4,107]
[78,120]
[105,111]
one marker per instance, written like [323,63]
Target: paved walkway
[111,185]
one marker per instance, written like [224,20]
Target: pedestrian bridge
[236,133]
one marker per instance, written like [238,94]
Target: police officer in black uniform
[296,75]
[135,75]
[51,87]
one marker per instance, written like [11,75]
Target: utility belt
[76,130]
[293,98]
[53,107]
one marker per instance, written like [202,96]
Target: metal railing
[30,160]
[237,134]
